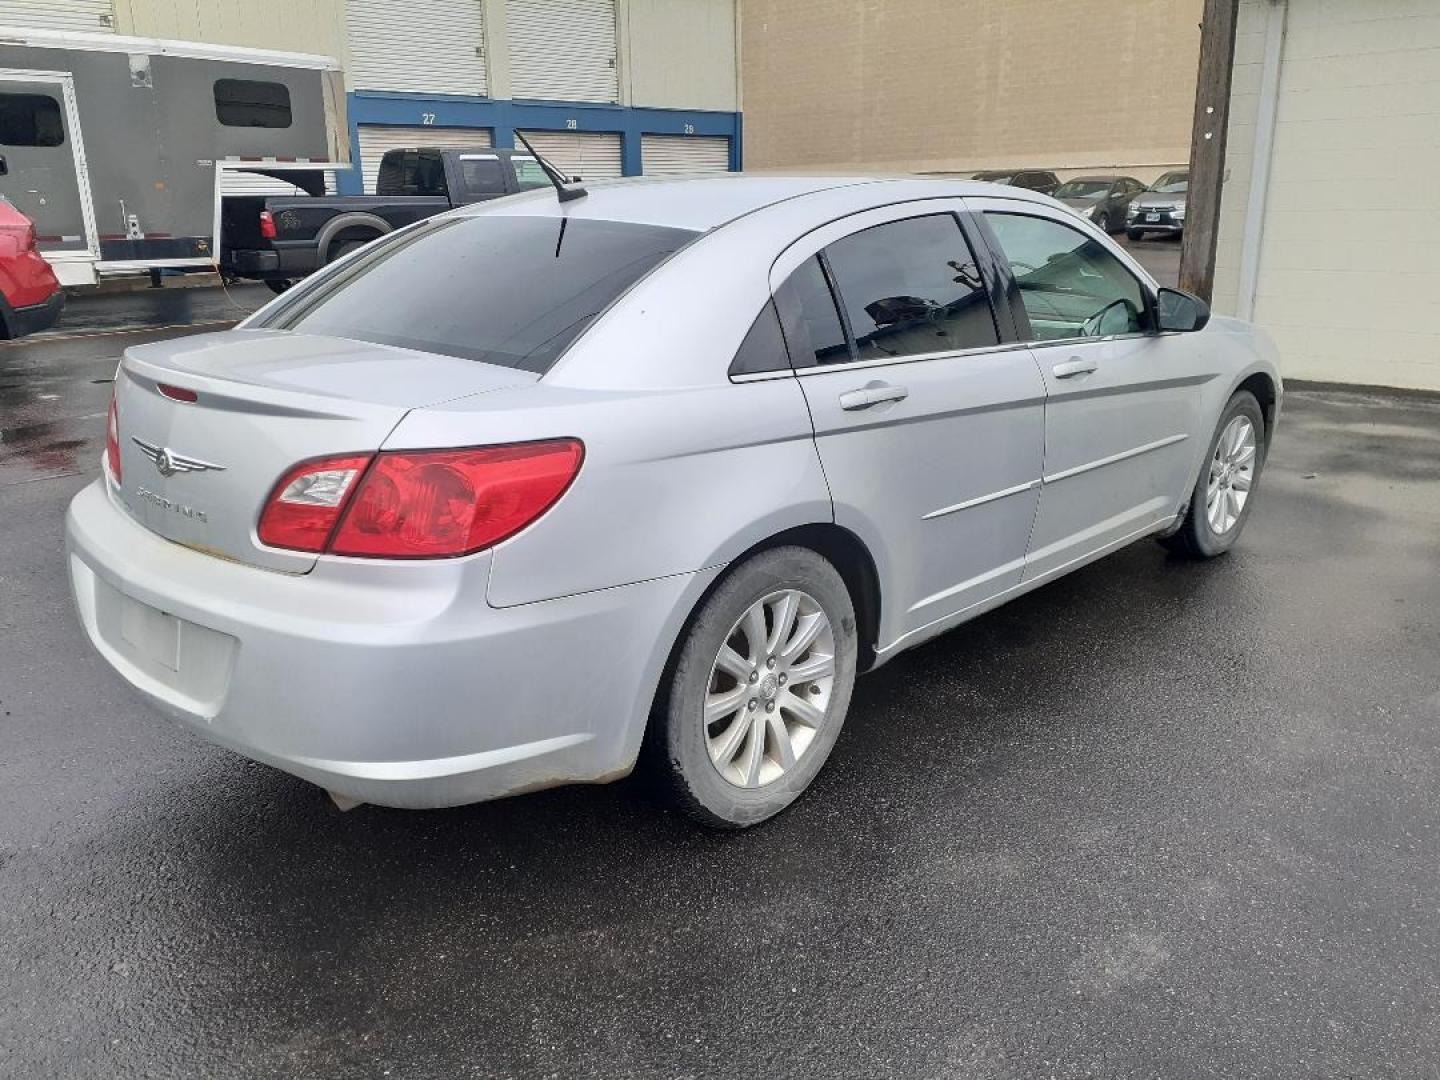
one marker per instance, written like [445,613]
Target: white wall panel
[423,46]
[562,50]
[91,16]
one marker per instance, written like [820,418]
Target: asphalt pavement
[1159,819]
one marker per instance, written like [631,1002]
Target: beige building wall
[306,26]
[679,54]
[927,85]
[1348,277]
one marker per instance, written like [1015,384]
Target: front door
[931,435]
[1122,404]
[43,172]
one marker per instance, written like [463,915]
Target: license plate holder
[1152,217]
[153,634]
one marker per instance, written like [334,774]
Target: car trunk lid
[199,471]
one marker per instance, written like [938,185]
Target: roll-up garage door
[375,140]
[586,154]
[562,50]
[240,183]
[668,155]
[429,46]
[92,16]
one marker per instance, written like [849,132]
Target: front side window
[911,287]
[513,291]
[246,103]
[1071,286]
[30,120]
[529,174]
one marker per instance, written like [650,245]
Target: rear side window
[513,291]
[911,287]
[411,172]
[246,103]
[813,330]
[481,174]
[30,120]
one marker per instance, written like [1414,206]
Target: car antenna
[563,190]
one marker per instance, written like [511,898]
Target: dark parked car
[1102,199]
[278,240]
[30,297]
[1031,179]
[1161,208]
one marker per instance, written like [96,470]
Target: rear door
[930,432]
[1122,405]
[44,172]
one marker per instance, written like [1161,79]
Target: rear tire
[1103,223]
[775,691]
[278,285]
[1224,492]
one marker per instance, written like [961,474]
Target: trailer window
[30,120]
[245,103]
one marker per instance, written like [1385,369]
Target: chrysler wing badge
[168,463]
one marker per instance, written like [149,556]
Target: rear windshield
[1082,189]
[513,291]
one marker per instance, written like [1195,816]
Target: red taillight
[112,442]
[418,504]
[267,225]
[302,510]
[177,393]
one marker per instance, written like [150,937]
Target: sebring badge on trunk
[168,463]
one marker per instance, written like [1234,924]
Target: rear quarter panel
[674,480]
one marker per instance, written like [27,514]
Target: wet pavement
[1159,819]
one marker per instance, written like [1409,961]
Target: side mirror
[1180,312]
[1116,317]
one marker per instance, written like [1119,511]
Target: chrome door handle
[874,394]
[1070,368]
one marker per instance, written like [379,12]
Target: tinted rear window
[513,291]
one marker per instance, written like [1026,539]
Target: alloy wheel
[1232,474]
[770,688]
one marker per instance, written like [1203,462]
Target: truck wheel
[278,285]
[345,247]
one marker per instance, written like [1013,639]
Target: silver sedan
[537,490]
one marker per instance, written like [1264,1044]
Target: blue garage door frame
[503,117]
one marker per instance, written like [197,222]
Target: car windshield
[1172,183]
[1082,189]
[513,291]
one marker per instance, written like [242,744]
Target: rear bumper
[280,262]
[20,321]
[391,684]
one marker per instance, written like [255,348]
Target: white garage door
[588,155]
[670,155]
[241,183]
[428,46]
[93,16]
[375,140]
[562,50]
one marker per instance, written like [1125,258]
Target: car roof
[704,202]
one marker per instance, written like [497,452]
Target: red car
[30,297]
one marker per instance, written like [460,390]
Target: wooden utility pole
[1207,146]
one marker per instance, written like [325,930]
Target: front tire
[758,690]
[1224,492]
[1103,223]
[1134,234]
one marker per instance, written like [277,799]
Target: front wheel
[1224,493]
[1103,223]
[758,691]
[1134,234]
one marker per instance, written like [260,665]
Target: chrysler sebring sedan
[540,489]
